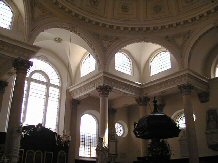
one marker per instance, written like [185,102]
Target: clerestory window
[123,63]
[88,136]
[41,99]
[87,65]
[160,62]
[6,15]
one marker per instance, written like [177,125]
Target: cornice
[131,88]
[137,27]
[172,81]
[15,48]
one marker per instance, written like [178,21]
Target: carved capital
[185,89]
[203,96]
[3,84]
[142,100]
[75,103]
[104,90]
[22,65]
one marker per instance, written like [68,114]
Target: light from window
[216,71]
[160,62]
[88,65]
[88,136]
[123,63]
[180,120]
[5,15]
[41,96]
[119,129]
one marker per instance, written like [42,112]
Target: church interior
[80,74]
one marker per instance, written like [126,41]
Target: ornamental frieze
[115,17]
[134,89]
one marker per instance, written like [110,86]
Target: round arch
[91,42]
[191,42]
[120,44]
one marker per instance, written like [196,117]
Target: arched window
[160,62]
[88,136]
[179,118]
[87,65]
[41,99]
[123,63]
[6,15]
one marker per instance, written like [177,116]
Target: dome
[121,14]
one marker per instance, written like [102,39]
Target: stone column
[190,125]
[142,102]
[3,84]
[104,91]
[73,128]
[14,124]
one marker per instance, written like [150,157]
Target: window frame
[128,56]
[48,85]
[154,55]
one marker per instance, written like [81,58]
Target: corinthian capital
[3,84]
[142,100]
[185,89]
[22,65]
[104,90]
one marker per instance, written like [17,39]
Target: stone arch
[191,42]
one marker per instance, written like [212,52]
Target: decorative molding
[87,87]
[15,48]
[173,80]
[22,65]
[142,100]
[104,90]
[182,19]
[186,89]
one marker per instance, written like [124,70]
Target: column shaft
[103,125]
[14,124]
[142,102]
[190,125]
[73,127]
[3,84]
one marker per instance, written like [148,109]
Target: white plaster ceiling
[70,49]
[141,52]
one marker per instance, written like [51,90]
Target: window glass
[160,62]
[88,65]
[6,15]
[119,129]
[180,120]
[88,136]
[41,95]
[123,63]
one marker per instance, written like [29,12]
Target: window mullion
[46,105]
